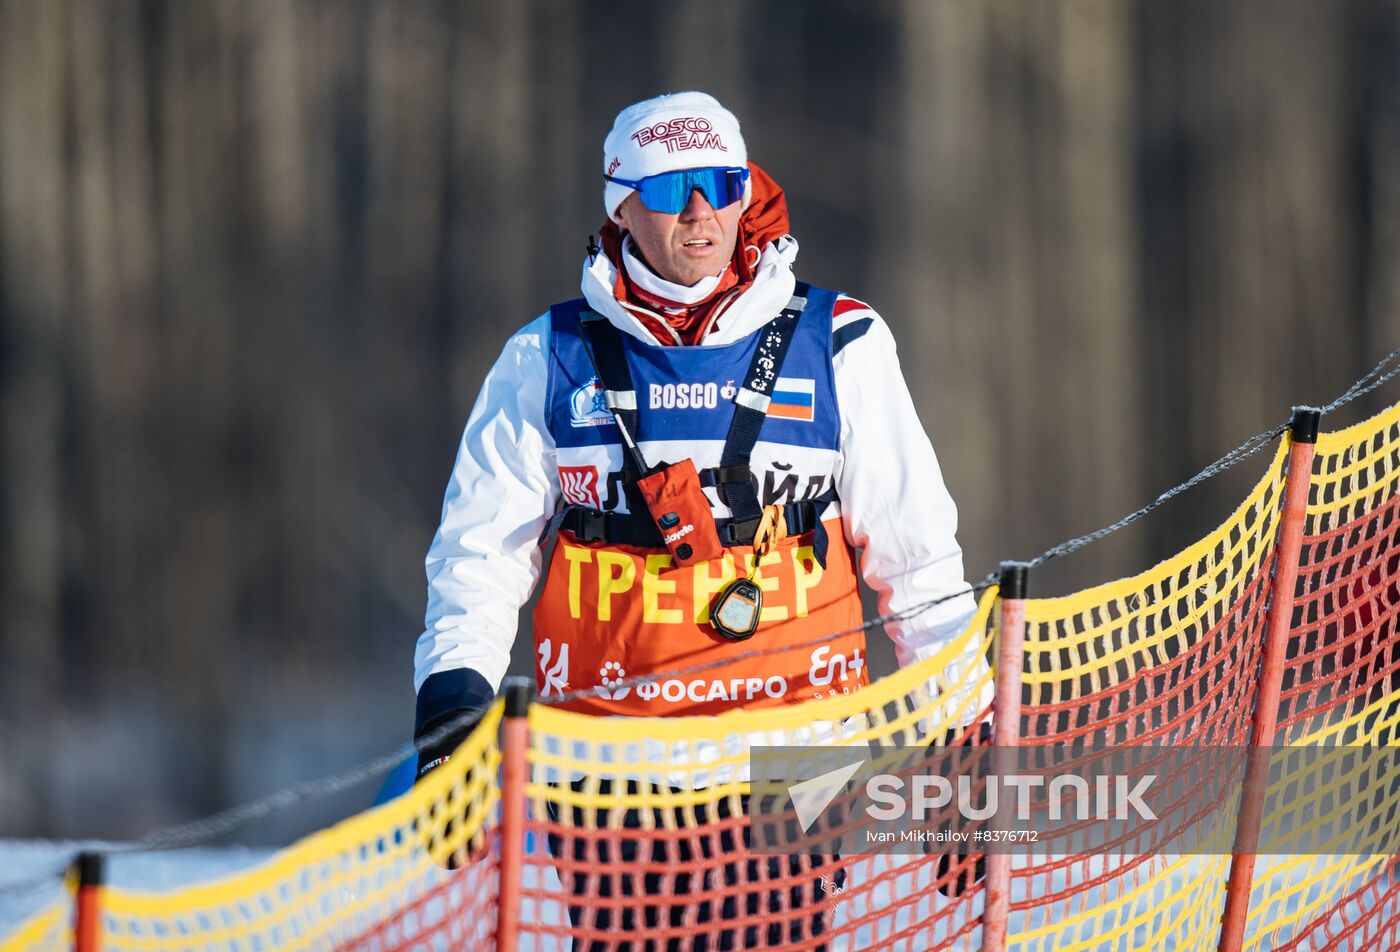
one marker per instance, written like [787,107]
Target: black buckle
[719,476]
[593,525]
[738,533]
[800,517]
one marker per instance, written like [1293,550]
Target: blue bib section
[686,393]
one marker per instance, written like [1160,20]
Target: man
[693,344]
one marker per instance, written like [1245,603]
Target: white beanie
[680,131]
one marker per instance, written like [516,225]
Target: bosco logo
[688,132]
[683,396]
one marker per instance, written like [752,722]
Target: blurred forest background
[256,256]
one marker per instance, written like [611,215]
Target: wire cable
[17,887]
[1237,455]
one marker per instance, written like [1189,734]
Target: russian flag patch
[792,398]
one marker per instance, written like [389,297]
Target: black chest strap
[626,528]
[751,405]
[603,342]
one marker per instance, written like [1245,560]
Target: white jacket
[485,559]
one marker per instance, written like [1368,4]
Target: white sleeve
[893,500]
[485,558]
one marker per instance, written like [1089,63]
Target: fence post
[1303,439]
[515,738]
[1006,733]
[87,918]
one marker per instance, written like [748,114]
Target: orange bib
[611,612]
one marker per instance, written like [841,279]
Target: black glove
[436,753]
[446,697]
[431,756]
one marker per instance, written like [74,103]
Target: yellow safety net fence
[636,834]
[44,931]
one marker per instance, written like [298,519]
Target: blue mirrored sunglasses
[669,192]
